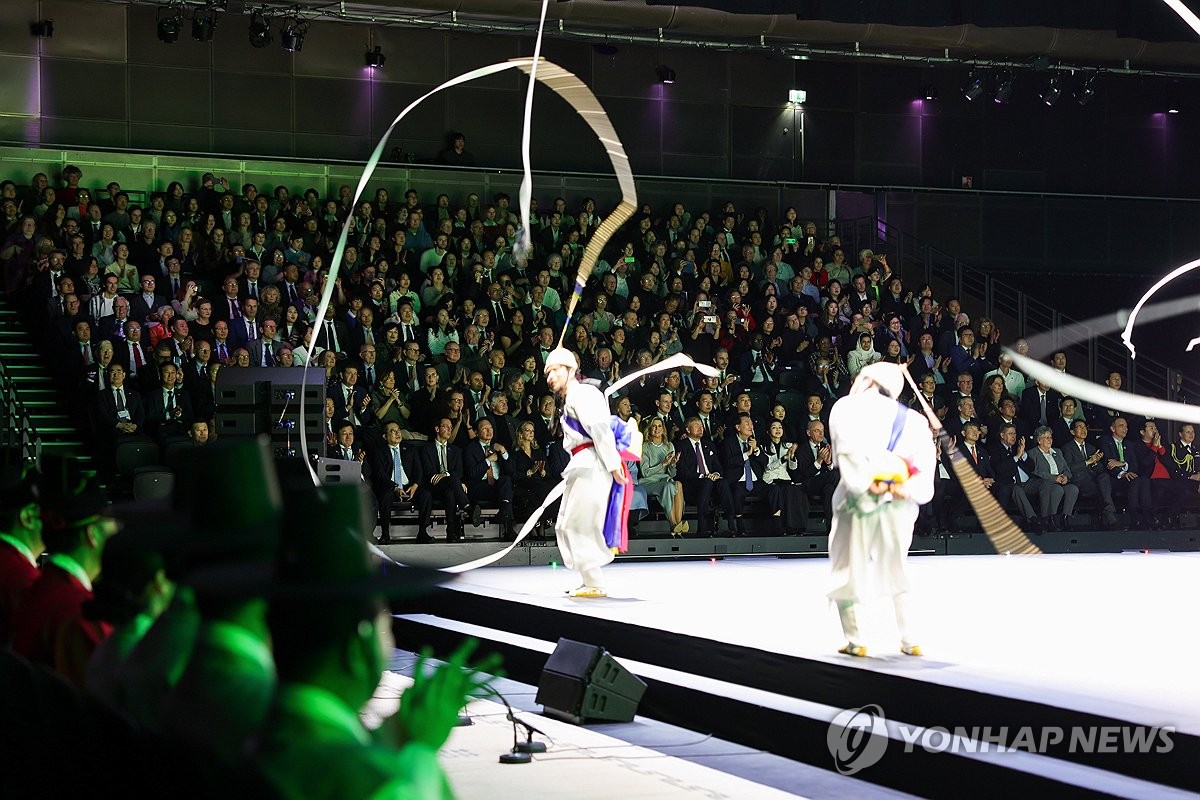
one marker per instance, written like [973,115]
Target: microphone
[521,752]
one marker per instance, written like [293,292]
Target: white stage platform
[1112,635]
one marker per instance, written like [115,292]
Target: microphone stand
[287,425]
[521,752]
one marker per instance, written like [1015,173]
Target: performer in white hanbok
[594,477]
[887,459]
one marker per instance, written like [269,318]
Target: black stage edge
[911,701]
[797,737]
[543,552]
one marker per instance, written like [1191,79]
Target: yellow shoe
[682,528]
[856,650]
[588,591]
[912,650]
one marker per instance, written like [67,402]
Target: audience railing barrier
[20,435]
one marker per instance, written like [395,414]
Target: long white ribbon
[565,84]
[524,243]
[1103,396]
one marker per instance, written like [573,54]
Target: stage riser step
[798,737]
[915,702]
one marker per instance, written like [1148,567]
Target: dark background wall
[104,79]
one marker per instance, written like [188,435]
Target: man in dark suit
[131,352]
[489,473]
[1039,404]
[245,329]
[228,306]
[743,463]
[546,424]
[199,383]
[1130,474]
[698,461]
[396,477]
[147,301]
[349,399]
[816,469]
[441,463]
[1086,463]
[954,503]
[757,366]
[169,408]
[963,413]
[264,350]
[1012,470]
[504,425]
[120,411]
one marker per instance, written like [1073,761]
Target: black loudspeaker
[583,683]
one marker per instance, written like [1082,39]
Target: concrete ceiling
[1099,41]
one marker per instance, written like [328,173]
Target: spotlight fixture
[1052,92]
[42,29]
[375,58]
[260,30]
[170,21]
[204,21]
[291,38]
[1172,108]
[1085,93]
[929,92]
[665,74]
[797,97]
[1004,86]
[973,88]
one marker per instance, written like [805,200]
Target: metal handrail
[19,431]
[1015,309]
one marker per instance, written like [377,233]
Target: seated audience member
[786,495]
[1060,425]
[442,467]
[697,471]
[133,591]
[657,471]
[1038,405]
[49,628]
[1129,469]
[815,468]
[222,695]
[488,470]
[972,449]
[396,478]
[330,631]
[20,542]
[743,462]
[1086,463]
[168,409]
[1012,470]
[120,411]
[1169,493]
[1053,488]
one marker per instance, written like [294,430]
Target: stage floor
[1110,634]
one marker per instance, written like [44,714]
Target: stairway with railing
[1014,310]
[35,423]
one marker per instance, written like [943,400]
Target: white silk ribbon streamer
[524,243]
[1127,334]
[571,89]
[581,98]
[492,558]
[677,360]
[1072,386]
[1185,14]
